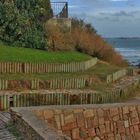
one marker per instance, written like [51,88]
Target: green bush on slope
[21,21]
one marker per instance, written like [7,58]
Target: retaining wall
[68,97]
[33,128]
[116,75]
[88,122]
[65,83]
[17,67]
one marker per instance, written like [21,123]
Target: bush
[83,38]
[22,21]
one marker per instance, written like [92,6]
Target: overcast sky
[111,18]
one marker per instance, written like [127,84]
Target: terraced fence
[68,98]
[117,75]
[18,67]
[61,83]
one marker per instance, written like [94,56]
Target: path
[135,99]
[4,133]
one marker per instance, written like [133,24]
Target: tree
[22,22]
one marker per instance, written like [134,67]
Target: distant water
[129,48]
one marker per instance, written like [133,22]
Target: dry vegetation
[82,38]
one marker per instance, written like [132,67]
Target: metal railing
[60,9]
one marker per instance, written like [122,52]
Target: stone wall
[94,122]
[33,128]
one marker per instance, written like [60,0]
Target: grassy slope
[10,53]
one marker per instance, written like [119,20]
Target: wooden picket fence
[61,83]
[65,98]
[19,67]
[116,75]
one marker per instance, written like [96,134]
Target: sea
[129,48]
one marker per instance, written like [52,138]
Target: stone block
[102,129]
[131,130]
[126,124]
[48,114]
[96,138]
[69,126]
[78,111]
[57,111]
[127,131]
[116,118]
[111,136]
[89,123]
[80,119]
[136,128]
[125,110]
[58,122]
[75,133]
[118,137]
[88,113]
[62,119]
[89,138]
[91,132]
[95,122]
[138,108]
[100,112]
[39,113]
[120,123]
[132,108]
[126,116]
[133,114]
[101,120]
[97,130]
[123,137]
[121,129]
[69,118]
[137,135]
[135,121]
[67,133]
[107,126]
[68,111]
[114,111]
[83,133]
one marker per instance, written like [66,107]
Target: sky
[111,18]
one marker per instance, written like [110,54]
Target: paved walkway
[135,99]
[4,133]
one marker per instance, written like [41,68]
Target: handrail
[60,9]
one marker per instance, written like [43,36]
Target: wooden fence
[116,75]
[61,83]
[39,99]
[17,67]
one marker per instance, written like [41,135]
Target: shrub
[83,38]
[22,21]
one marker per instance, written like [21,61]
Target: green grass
[104,69]
[19,54]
